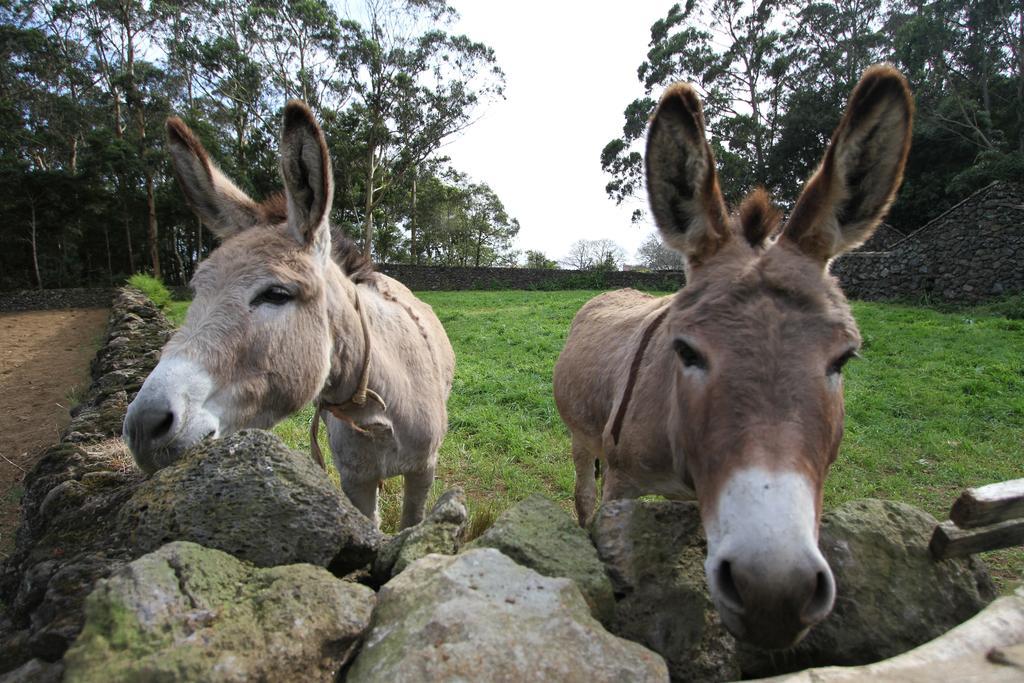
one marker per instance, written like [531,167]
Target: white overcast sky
[570,71]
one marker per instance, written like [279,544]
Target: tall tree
[414,86]
[741,54]
[652,253]
[601,254]
[539,261]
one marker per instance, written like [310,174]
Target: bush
[153,288]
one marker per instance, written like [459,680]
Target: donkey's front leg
[417,486]
[363,495]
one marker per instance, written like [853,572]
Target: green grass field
[935,405]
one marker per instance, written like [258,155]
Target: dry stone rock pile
[891,595]
[185,612]
[479,616]
[251,496]
[242,562]
[969,254]
[540,535]
[654,553]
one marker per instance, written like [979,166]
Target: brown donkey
[731,390]
[278,320]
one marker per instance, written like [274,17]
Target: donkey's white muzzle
[767,576]
[169,415]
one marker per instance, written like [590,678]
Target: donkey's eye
[275,296]
[690,356]
[836,366]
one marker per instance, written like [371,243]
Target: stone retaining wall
[423,278]
[64,544]
[54,299]
[970,254]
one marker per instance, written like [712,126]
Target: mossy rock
[538,534]
[253,497]
[188,613]
[891,595]
[479,616]
[440,532]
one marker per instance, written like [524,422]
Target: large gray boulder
[654,553]
[479,616]
[188,613]
[538,534]
[253,497]
[440,532]
[891,596]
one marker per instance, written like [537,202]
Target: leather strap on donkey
[634,369]
[358,400]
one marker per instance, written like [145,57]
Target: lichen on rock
[654,553]
[188,613]
[538,534]
[891,595]
[479,616]
[250,495]
[440,532]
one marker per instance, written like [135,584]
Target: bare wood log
[989,504]
[988,647]
[949,540]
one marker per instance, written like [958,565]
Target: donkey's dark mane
[349,256]
[345,252]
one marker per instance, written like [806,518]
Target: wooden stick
[949,540]
[989,504]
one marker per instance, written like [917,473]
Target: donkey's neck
[348,347]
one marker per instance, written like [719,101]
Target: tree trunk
[414,257]
[177,256]
[128,241]
[151,226]
[1020,81]
[110,263]
[35,253]
[368,219]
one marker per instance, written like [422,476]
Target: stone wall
[422,278]
[52,299]
[969,254]
[442,278]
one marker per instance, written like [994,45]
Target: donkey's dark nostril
[820,604]
[727,589]
[163,426]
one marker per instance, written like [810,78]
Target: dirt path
[44,363]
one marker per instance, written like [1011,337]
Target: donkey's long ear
[223,207]
[308,183]
[851,191]
[681,181]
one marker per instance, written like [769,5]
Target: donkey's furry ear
[850,193]
[222,207]
[308,182]
[681,181]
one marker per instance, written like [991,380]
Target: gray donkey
[280,319]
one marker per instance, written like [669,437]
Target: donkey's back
[588,374]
